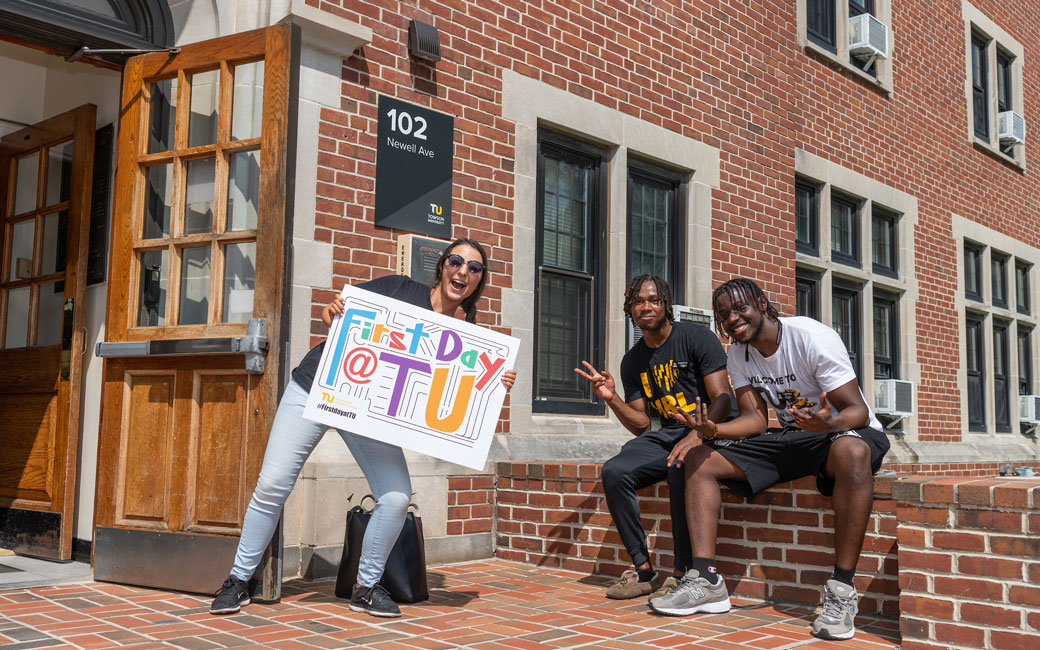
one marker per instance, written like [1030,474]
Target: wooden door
[44,218]
[197,251]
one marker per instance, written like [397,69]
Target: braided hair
[469,304]
[740,289]
[664,293]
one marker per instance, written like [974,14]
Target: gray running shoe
[840,606]
[628,586]
[694,594]
[669,585]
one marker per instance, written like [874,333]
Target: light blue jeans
[292,440]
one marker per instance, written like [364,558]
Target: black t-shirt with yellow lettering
[671,376]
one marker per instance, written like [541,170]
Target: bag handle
[361,503]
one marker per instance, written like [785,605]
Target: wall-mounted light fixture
[424,42]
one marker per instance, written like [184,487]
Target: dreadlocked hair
[469,304]
[740,289]
[664,293]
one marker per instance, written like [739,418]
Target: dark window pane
[883,240]
[563,326]
[565,215]
[845,315]
[1025,362]
[998,279]
[807,296]
[976,384]
[844,231]
[972,272]
[805,218]
[654,242]
[820,22]
[1022,287]
[980,87]
[885,331]
[1001,388]
[1004,83]
[857,7]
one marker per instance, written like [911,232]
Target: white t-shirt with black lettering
[811,359]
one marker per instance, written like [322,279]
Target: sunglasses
[455,261]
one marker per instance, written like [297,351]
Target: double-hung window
[998,346]
[856,279]
[995,99]
[569,323]
[825,28]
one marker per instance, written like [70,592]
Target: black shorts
[788,454]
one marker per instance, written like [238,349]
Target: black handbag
[404,576]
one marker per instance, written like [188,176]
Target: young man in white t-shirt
[801,369]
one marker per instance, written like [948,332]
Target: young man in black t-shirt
[668,370]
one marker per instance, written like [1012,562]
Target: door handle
[253,346]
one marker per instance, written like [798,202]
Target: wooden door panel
[144,459]
[176,465]
[28,422]
[27,367]
[42,291]
[217,477]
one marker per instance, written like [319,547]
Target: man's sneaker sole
[365,610]
[827,636]
[719,607]
[231,610]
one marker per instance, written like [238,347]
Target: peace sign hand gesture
[602,382]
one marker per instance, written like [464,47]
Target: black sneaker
[231,596]
[374,600]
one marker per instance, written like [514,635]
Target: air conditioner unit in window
[1029,409]
[684,314]
[681,314]
[894,397]
[868,38]
[1011,127]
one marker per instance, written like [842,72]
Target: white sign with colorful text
[412,378]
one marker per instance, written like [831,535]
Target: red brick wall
[969,563]
[778,546]
[471,506]
[727,73]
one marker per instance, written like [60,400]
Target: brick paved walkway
[488,605]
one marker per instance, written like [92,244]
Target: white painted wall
[47,86]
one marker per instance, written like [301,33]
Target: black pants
[641,463]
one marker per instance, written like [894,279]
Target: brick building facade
[760,120]
[593,140]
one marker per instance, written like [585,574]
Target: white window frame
[831,178]
[882,11]
[993,242]
[977,22]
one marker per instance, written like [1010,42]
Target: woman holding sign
[459,280]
